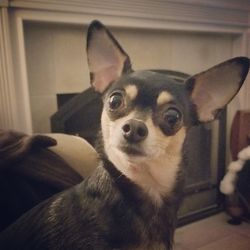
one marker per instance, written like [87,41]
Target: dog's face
[143,113]
[144,125]
[146,115]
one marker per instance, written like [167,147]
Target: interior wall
[56,64]
[56,59]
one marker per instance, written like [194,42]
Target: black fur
[106,211]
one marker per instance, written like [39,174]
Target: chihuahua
[131,200]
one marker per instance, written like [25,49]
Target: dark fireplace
[79,114]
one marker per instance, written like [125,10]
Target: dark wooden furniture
[238,203]
[240,132]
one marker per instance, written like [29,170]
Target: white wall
[56,63]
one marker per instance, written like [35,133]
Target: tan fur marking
[131,91]
[164,97]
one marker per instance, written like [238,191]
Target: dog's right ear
[106,58]
[214,88]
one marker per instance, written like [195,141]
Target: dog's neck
[156,218]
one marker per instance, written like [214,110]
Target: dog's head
[146,114]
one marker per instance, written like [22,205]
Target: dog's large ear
[214,88]
[106,58]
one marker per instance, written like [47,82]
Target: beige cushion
[77,152]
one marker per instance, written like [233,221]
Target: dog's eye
[172,118]
[116,101]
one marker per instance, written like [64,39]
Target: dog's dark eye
[116,101]
[172,118]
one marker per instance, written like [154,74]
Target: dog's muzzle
[134,131]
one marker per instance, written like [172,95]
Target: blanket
[29,173]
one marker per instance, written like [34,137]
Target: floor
[213,233]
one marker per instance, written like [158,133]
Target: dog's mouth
[132,150]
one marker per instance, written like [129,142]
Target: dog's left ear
[106,58]
[213,89]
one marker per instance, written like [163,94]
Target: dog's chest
[152,233]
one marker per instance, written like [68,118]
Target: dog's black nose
[134,131]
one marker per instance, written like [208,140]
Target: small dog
[131,200]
